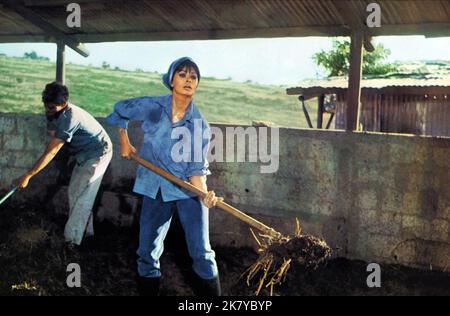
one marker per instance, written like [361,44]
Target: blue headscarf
[167,78]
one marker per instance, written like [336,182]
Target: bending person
[89,143]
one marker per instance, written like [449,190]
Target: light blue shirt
[156,116]
[83,134]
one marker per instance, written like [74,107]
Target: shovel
[7,196]
[222,205]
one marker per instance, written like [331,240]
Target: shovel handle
[222,205]
[7,196]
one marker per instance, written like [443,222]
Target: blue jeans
[156,216]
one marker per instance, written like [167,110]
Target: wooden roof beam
[47,27]
[45,3]
[429,30]
[29,38]
[214,34]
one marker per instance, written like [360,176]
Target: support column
[354,81]
[61,63]
[320,111]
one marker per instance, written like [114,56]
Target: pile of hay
[278,254]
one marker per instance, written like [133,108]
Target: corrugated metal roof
[120,20]
[342,82]
[437,82]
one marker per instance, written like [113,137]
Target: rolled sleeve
[116,120]
[204,171]
[201,168]
[137,109]
[66,130]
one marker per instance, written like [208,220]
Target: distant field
[96,90]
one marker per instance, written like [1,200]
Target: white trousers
[83,188]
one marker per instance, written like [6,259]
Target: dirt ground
[33,261]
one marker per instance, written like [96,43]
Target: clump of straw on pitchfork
[278,253]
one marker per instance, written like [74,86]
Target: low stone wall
[376,197]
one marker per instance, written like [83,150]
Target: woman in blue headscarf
[163,117]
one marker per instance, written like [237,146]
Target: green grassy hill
[96,90]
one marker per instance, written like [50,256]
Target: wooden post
[354,80]
[61,63]
[305,111]
[320,111]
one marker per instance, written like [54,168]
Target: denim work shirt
[156,116]
[83,134]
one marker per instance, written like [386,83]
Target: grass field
[96,90]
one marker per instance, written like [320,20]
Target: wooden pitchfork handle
[224,206]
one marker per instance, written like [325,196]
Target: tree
[105,65]
[337,60]
[32,55]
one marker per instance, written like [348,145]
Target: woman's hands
[211,200]
[126,149]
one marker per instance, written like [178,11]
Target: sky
[278,61]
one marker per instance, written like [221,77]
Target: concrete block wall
[22,141]
[379,198]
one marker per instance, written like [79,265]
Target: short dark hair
[55,93]
[189,65]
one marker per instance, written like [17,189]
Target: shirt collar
[167,105]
